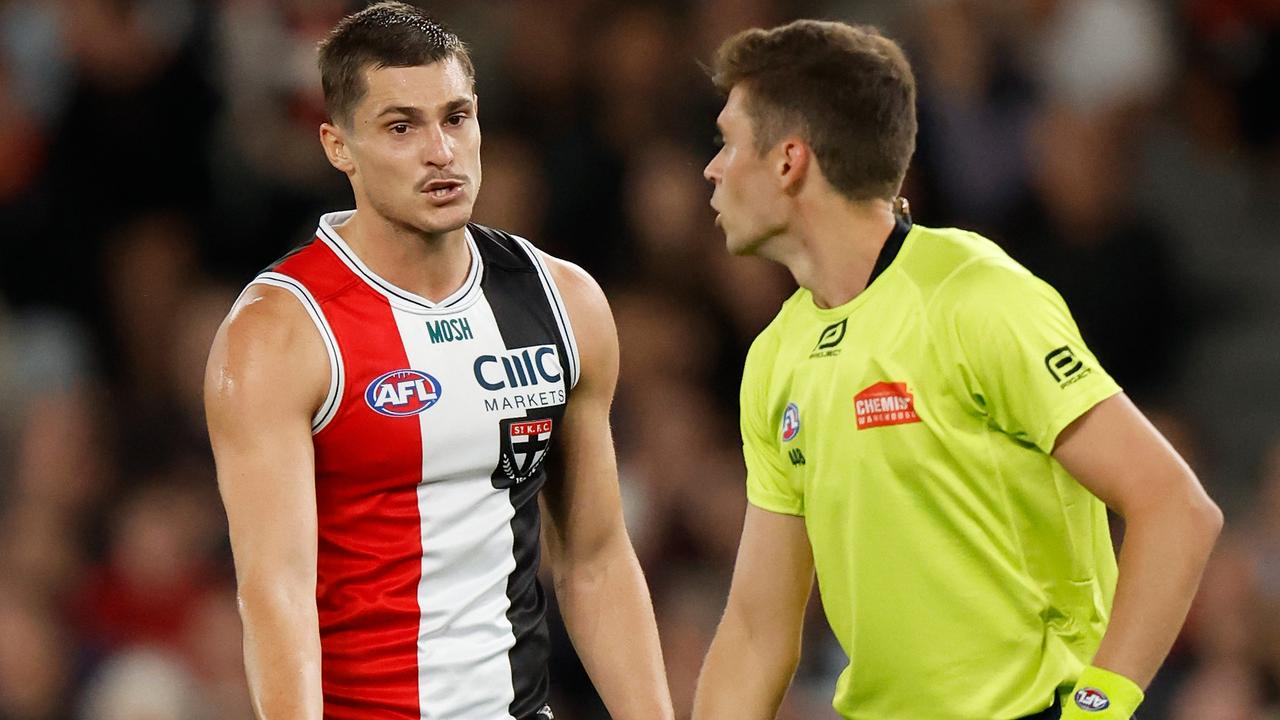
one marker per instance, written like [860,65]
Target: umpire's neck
[832,243]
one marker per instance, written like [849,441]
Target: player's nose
[437,149]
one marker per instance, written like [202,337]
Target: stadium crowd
[156,153]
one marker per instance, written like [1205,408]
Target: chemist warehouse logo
[885,403]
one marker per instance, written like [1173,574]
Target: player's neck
[835,246]
[431,266]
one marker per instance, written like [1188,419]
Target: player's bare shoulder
[589,313]
[266,353]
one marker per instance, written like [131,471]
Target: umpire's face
[748,197]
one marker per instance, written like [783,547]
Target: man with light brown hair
[924,427]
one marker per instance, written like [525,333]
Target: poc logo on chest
[401,393]
[519,368]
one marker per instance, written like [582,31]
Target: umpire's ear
[793,158]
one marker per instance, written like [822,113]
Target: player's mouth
[443,192]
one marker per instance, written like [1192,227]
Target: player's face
[415,146]
[747,197]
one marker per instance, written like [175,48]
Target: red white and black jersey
[429,454]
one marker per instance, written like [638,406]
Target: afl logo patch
[401,393]
[1092,700]
[790,422]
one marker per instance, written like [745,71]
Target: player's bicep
[266,374]
[583,506]
[773,575]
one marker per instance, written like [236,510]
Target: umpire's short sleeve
[769,486]
[1018,353]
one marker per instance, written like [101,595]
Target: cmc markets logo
[519,368]
[1064,366]
[401,393]
[1092,700]
[885,403]
[829,338]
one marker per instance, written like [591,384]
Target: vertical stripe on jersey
[369,558]
[523,323]
[464,637]
[557,309]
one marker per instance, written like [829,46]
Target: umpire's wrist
[1101,694]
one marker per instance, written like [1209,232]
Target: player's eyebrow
[458,105]
[408,111]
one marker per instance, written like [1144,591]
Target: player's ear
[794,157]
[336,148]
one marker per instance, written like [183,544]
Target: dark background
[155,153]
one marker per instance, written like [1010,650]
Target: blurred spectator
[1080,233]
[975,113]
[1226,691]
[270,180]
[213,653]
[35,661]
[143,685]
[157,569]
[1100,54]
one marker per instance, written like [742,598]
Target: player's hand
[1100,694]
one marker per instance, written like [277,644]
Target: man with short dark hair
[382,402]
[924,427]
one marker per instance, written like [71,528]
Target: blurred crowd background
[154,154]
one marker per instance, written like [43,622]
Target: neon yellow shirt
[963,570]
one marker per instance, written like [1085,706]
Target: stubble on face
[740,173]
[415,134]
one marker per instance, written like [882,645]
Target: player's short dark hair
[847,89]
[388,34]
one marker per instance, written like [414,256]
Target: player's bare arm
[598,581]
[757,646]
[266,376]
[1171,525]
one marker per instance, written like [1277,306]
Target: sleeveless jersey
[429,454]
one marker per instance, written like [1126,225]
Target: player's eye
[456,119]
[399,128]
[718,140]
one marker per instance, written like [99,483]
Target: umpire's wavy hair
[388,34]
[848,90]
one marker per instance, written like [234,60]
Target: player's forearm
[607,611]
[745,675]
[282,652]
[1165,550]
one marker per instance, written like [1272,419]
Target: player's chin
[445,219]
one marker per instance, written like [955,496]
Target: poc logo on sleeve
[1064,366]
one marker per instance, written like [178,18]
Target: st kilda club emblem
[525,442]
